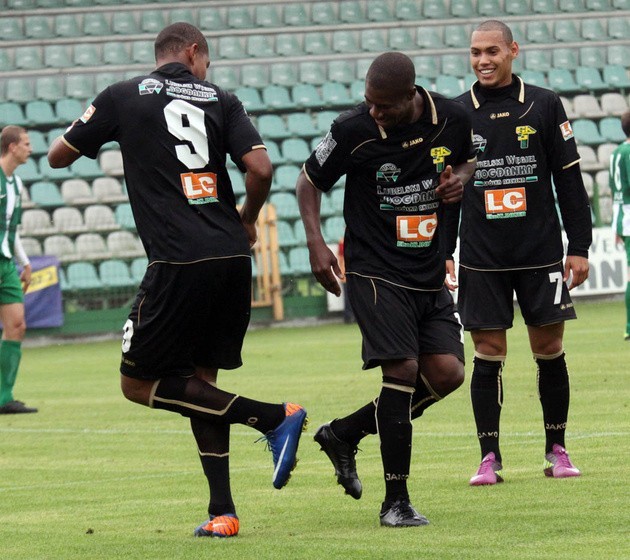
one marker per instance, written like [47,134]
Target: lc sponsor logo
[415,231]
[523,133]
[505,203]
[199,188]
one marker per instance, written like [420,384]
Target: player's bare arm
[257,184]
[324,264]
[61,155]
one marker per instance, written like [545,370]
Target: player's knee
[15,330]
[135,390]
[446,377]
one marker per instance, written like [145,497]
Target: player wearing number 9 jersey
[510,241]
[189,318]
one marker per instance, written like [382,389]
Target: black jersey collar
[174,69]
[517,92]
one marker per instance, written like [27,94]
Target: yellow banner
[42,279]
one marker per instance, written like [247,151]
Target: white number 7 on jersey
[557,278]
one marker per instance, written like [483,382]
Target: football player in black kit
[510,242]
[405,152]
[193,305]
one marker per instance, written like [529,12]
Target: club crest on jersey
[479,143]
[566,130]
[523,133]
[388,172]
[439,155]
[149,86]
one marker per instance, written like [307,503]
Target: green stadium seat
[49,88]
[28,58]
[379,12]
[138,268]
[40,113]
[266,15]
[334,229]
[621,4]
[12,113]
[455,65]
[152,21]
[407,10]
[594,30]
[295,150]
[351,12]
[598,5]
[86,54]
[286,236]
[449,86]
[575,6]
[434,9]
[66,26]
[38,27]
[469,80]
[295,14]
[538,60]
[11,29]
[562,80]
[610,129]
[83,276]
[51,174]
[517,7]
[462,8]
[323,120]
[283,74]
[86,168]
[618,54]
[260,46]
[566,31]
[124,216]
[114,273]
[80,86]
[239,17]
[619,28]
[306,96]
[357,91]
[79,3]
[30,172]
[586,132]
[362,65]
[21,4]
[95,23]
[37,138]
[277,98]
[335,94]
[537,31]
[427,66]
[272,126]
[182,14]
[545,6]
[457,36]
[285,176]
[254,75]
[372,40]
[115,53]
[286,205]
[489,8]
[341,71]
[299,260]
[231,47]
[616,77]
[311,72]
[316,43]
[400,39]
[210,19]
[429,37]
[323,13]
[590,79]
[287,44]
[595,57]
[46,194]
[273,151]
[6,63]
[301,125]
[142,52]
[124,23]
[20,90]
[67,110]
[534,77]
[224,76]
[564,58]
[56,56]
[344,41]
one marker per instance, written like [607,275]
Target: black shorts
[486,298]
[398,323]
[188,315]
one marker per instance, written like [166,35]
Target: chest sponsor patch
[505,203]
[200,188]
[415,231]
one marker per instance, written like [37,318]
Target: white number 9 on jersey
[187,123]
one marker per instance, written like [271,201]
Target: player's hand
[450,281]
[450,188]
[25,277]
[575,270]
[325,267]
[252,233]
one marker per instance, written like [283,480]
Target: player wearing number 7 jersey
[510,241]
[175,131]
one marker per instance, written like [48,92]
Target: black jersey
[174,132]
[391,210]
[509,214]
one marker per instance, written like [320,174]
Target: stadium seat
[306,96]
[538,60]
[224,76]
[56,56]
[272,126]
[68,219]
[344,41]
[142,52]
[489,8]
[537,31]
[604,151]
[60,246]
[616,77]
[124,244]
[239,17]
[286,236]
[566,58]
[619,28]
[335,94]
[351,12]
[231,47]
[77,192]
[40,113]
[29,171]
[273,151]
[28,58]
[86,168]
[299,261]
[124,23]
[260,46]
[209,19]
[108,190]
[277,98]
[323,120]
[110,163]
[38,142]
[590,79]
[37,27]
[316,43]
[586,132]
[610,129]
[455,65]
[92,246]
[372,40]
[595,57]
[104,79]
[588,157]
[32,247]
[45,194]
[152,21]
[35,222]
[295,150]
[598,5]
[11,28]
[287,44]
[116,53]
[429,37]
[237,180]
[12,113]
[457,36]
[324,13]
[449,86]
[357,91]
[593,30]
[285,176]
[534,77]
[286,205]
[283,74]
[124,216]
[427,66]
[618,54]
[621,4]
[254,75]
[311,72]
[613,104]
[587,106]
[250,98]
[334,229]
[114,273]
[341,71]
[400,39]
[295,14]
[462,8]
[86,54]
[100,217]
[517,7]
[55,175]
[83,276]
[301,125]
[544,6]
[266,15]
[566,31]
[138,268]
[182,14]
[575,6]
[94,23]
[434,9]
[562,80]
[79,86]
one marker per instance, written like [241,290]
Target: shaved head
[176,37]
[495,25]
[393,72]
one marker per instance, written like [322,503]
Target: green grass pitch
[92,476]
